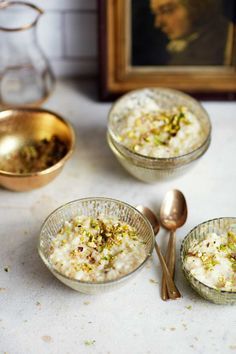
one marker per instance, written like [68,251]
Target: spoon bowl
[173,213]
[151,217]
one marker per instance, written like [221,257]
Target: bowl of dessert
[158,133]
[208,256]
[94,245]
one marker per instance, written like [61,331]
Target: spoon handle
[172,289]
[170,261]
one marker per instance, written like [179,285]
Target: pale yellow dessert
[156,133]
[101,249]
[213,261]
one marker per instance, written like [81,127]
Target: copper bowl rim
[57,165]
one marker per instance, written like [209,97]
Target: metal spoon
[173,214]
[172,289]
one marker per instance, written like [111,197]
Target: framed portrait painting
[188,45]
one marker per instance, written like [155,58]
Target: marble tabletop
[38,314]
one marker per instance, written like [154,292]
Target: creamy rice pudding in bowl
[208,256]
[94,245]
[158,133]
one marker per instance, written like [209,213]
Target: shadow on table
[87,87]
[92,147]
[34,273]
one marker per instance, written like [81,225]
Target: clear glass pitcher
[25,75]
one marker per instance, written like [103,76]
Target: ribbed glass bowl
[151,169]
[150,172]
[219,226]
[94,207]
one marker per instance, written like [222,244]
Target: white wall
[67,33]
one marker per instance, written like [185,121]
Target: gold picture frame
[118,75]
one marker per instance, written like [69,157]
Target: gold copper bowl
[18,128]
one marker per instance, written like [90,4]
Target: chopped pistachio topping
[162,132]
[95,249]
[89,342]
[213,261]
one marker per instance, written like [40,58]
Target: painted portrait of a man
[181,32]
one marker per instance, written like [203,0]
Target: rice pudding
[152,132]
[96,249]
[213,261]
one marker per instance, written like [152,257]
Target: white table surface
[38,314]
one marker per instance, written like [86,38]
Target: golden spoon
[172,289]
[173,214]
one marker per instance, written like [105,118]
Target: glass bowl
[219,225]
[152,169]
[148,171]
[94,207]
[18,129]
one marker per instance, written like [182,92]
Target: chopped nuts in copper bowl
[34,146]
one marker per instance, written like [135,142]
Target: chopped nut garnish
[188,307]
[36,156]
[101,248]
[213,261]
[152,132]
[89,342]
[47,339]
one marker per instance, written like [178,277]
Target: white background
[39,315]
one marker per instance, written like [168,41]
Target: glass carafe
[25,75]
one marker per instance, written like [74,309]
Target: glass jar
[25,75]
